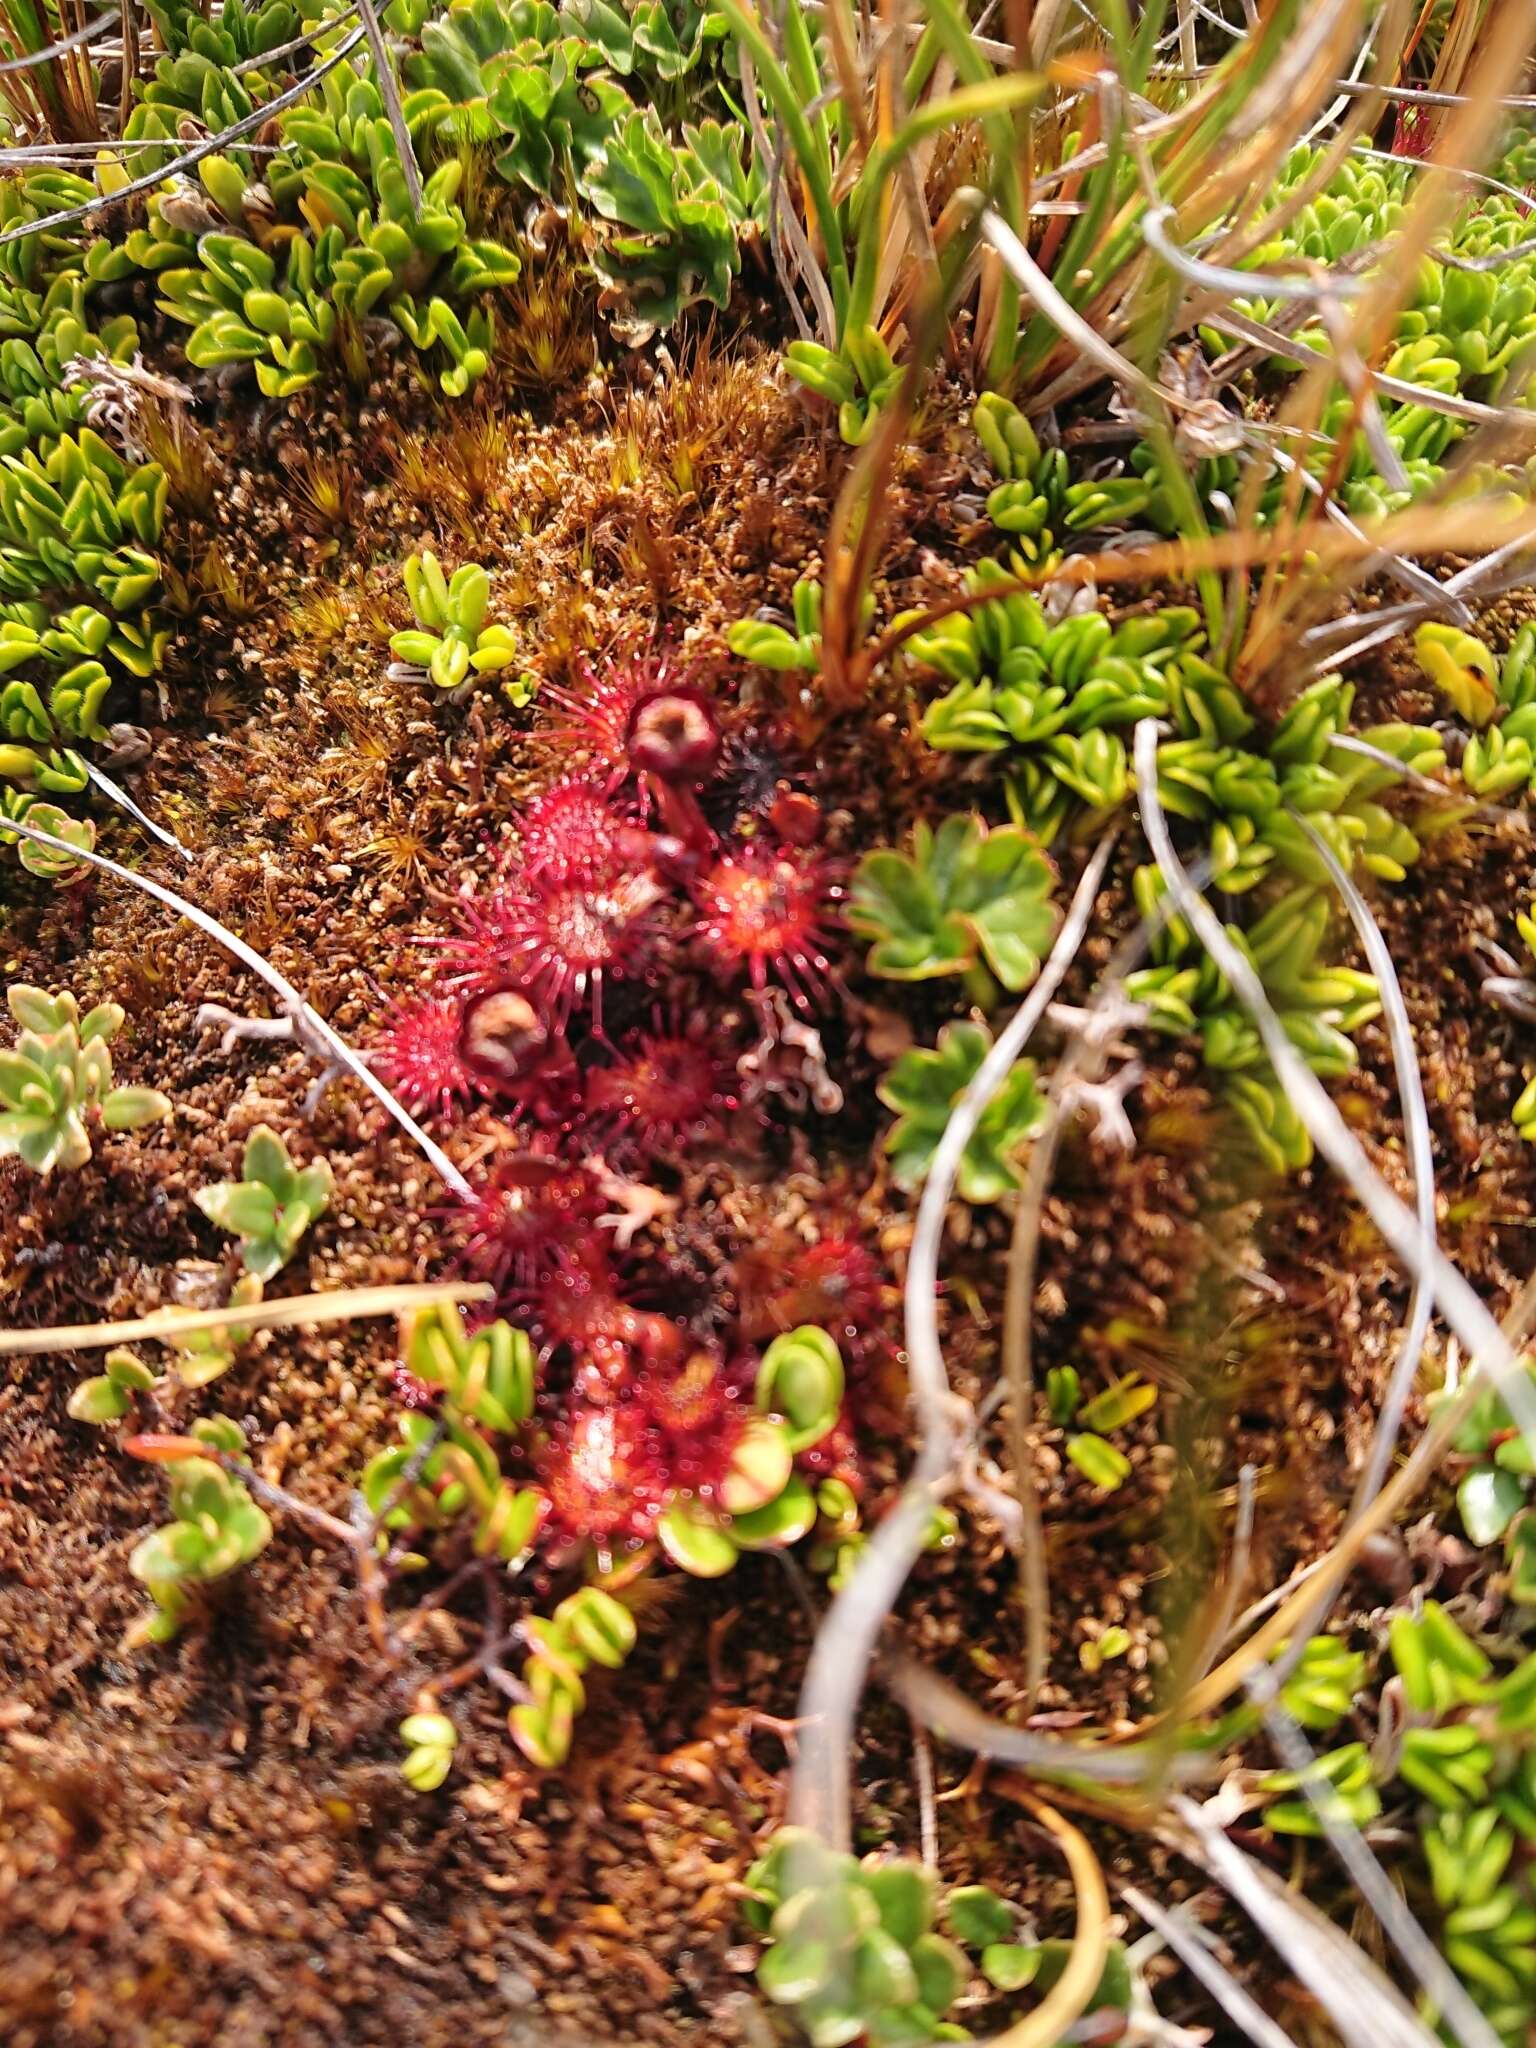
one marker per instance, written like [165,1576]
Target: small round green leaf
[792,1971]
[883,1972]
[694,1542]
[941,1971]
[1099,1462]
[904,1893]
[1489,1500]
[975,1914]
[97,1401]
[780,1523]
[1008,1967]
[760,1467]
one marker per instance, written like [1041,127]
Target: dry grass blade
[1187,1942]
[1273,340]
[784,225]
[1488,577]
[1067,2000]
[318,28]
[1471,1321]
[1433,597]
[1286,593]
[951,1717]
[844,1646]
[1018,1377]
[49,51]
[208,146]
[343,1305]
[1348,1987]
[1032,280]
[1421,1159]
[115,793]
[1327,1572]
[1438,529]
[284,989]
[1420,1147]
[1215,277]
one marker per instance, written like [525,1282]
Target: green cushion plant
[852,1951]
[776,647]
[1462,1772]
[800,1377]
[56,1082]
[271,1206]
[215,1528]
[966,900]
[451,640]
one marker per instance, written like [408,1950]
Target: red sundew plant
[572,824]
[560,932]
[836,1456]
[420,1053]
[643,714]
[701,1410]
[671,1429]
[670,1090]
[766,909]
[674,745]
[648,1428]
[836,1284]
[505,1044]
[1413,132]
[523,1212]
[603,1476]
[439,1052]
[675,736]
[578,1306]
[689,1400]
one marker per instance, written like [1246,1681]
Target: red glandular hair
[560,932]
[523,1213]
[572,824]
[419,1053]
[764,910]
[665,1089]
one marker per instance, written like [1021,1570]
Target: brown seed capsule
[501,1031]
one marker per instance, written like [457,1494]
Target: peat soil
[209,1845]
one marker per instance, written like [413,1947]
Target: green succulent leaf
[801,1378]
[1099,1462]
[924,1086]
[1489,1500]
[964,896]
[976,1915]
[271,1209]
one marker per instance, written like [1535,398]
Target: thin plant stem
[278,983]
[1189,1943]
[342,1305]
[840,1657]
